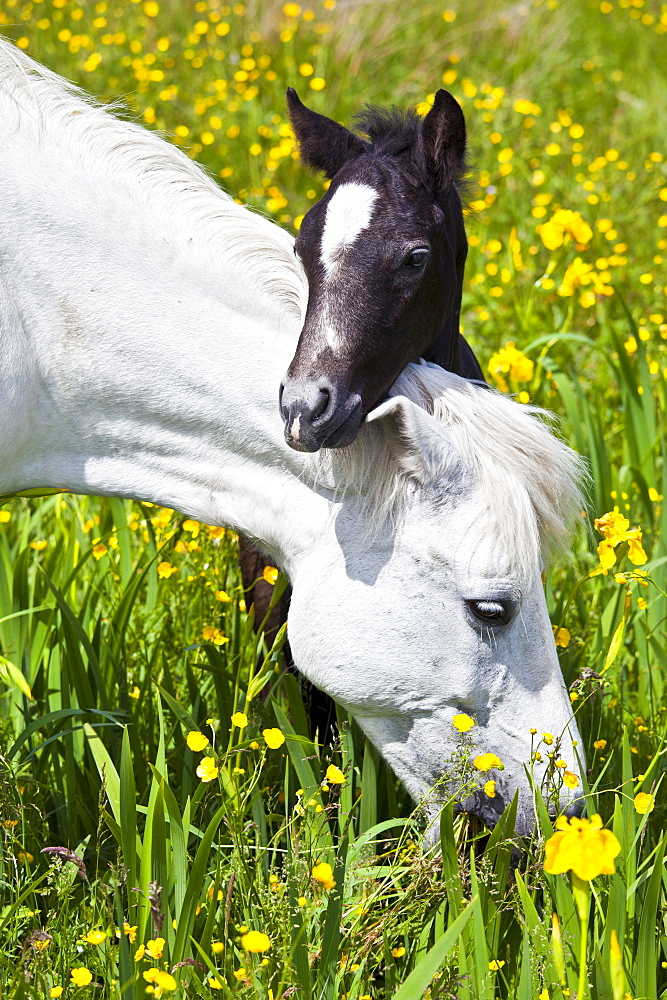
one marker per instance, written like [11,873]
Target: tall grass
[113,615]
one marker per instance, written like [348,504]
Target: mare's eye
[416,258]
[491,612]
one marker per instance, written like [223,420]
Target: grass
[113,615]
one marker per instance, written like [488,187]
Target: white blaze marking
[348,213]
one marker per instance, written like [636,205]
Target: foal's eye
[491,612]
[416,258]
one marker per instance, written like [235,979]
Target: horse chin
[312,438]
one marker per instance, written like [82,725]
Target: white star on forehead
[348,213]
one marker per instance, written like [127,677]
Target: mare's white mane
[142,161]
[529,478]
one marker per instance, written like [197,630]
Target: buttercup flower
[583,846]
[463,722]
[196,740]
[561,226]
[164,980]
[570,779]
[496,964]
[56,991]
[214,983]
[274,738]
[509,360]
[81,976]
[490,789]
[561,637]
[130,932]
[485,761]
[616,529]
[154,948]
[323,873]
[240,720]
[255,941]
[644,802]
[94,937]
[600,744]
[207,771]
[334,775]
[215,635]
[398,952]
[270,574]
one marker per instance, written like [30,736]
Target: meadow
[150,735]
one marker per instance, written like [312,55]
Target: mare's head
[384,252]
[441,610]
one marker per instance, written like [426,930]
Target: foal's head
[383,251]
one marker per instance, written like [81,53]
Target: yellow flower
[4,517]
[196,740]
[165,570]
[217,947]
[270,574]
[547,738]
[334,775]
[463,722]
[240,720]
[207,771]
[490,789]
[323,873]
[644,803]
[239,973]
[222,595]
[398,952]
[255,941]
[570,779]
[600,744]
[163,980]
[99,549]
[561,226]
[274,738]
[214,983]
[509,360]
[496,964]
[485,761]
[94,937]
[561,637]
[56,991]
[155,947]
[140,952]
[81,976]
[130,932]
[583,846]
[616,529]
[214,635]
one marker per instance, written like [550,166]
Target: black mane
[393,131]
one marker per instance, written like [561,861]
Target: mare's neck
[133,367]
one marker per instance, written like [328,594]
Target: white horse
[145,323]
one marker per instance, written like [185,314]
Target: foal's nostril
[321,406]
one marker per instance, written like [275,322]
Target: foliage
[123,627]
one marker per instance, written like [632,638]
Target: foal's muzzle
[318,415]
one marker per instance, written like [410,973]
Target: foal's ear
[323,144]
[442,140]
[416,440]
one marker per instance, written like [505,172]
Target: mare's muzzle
[317,414]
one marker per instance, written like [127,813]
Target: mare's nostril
[322,405]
